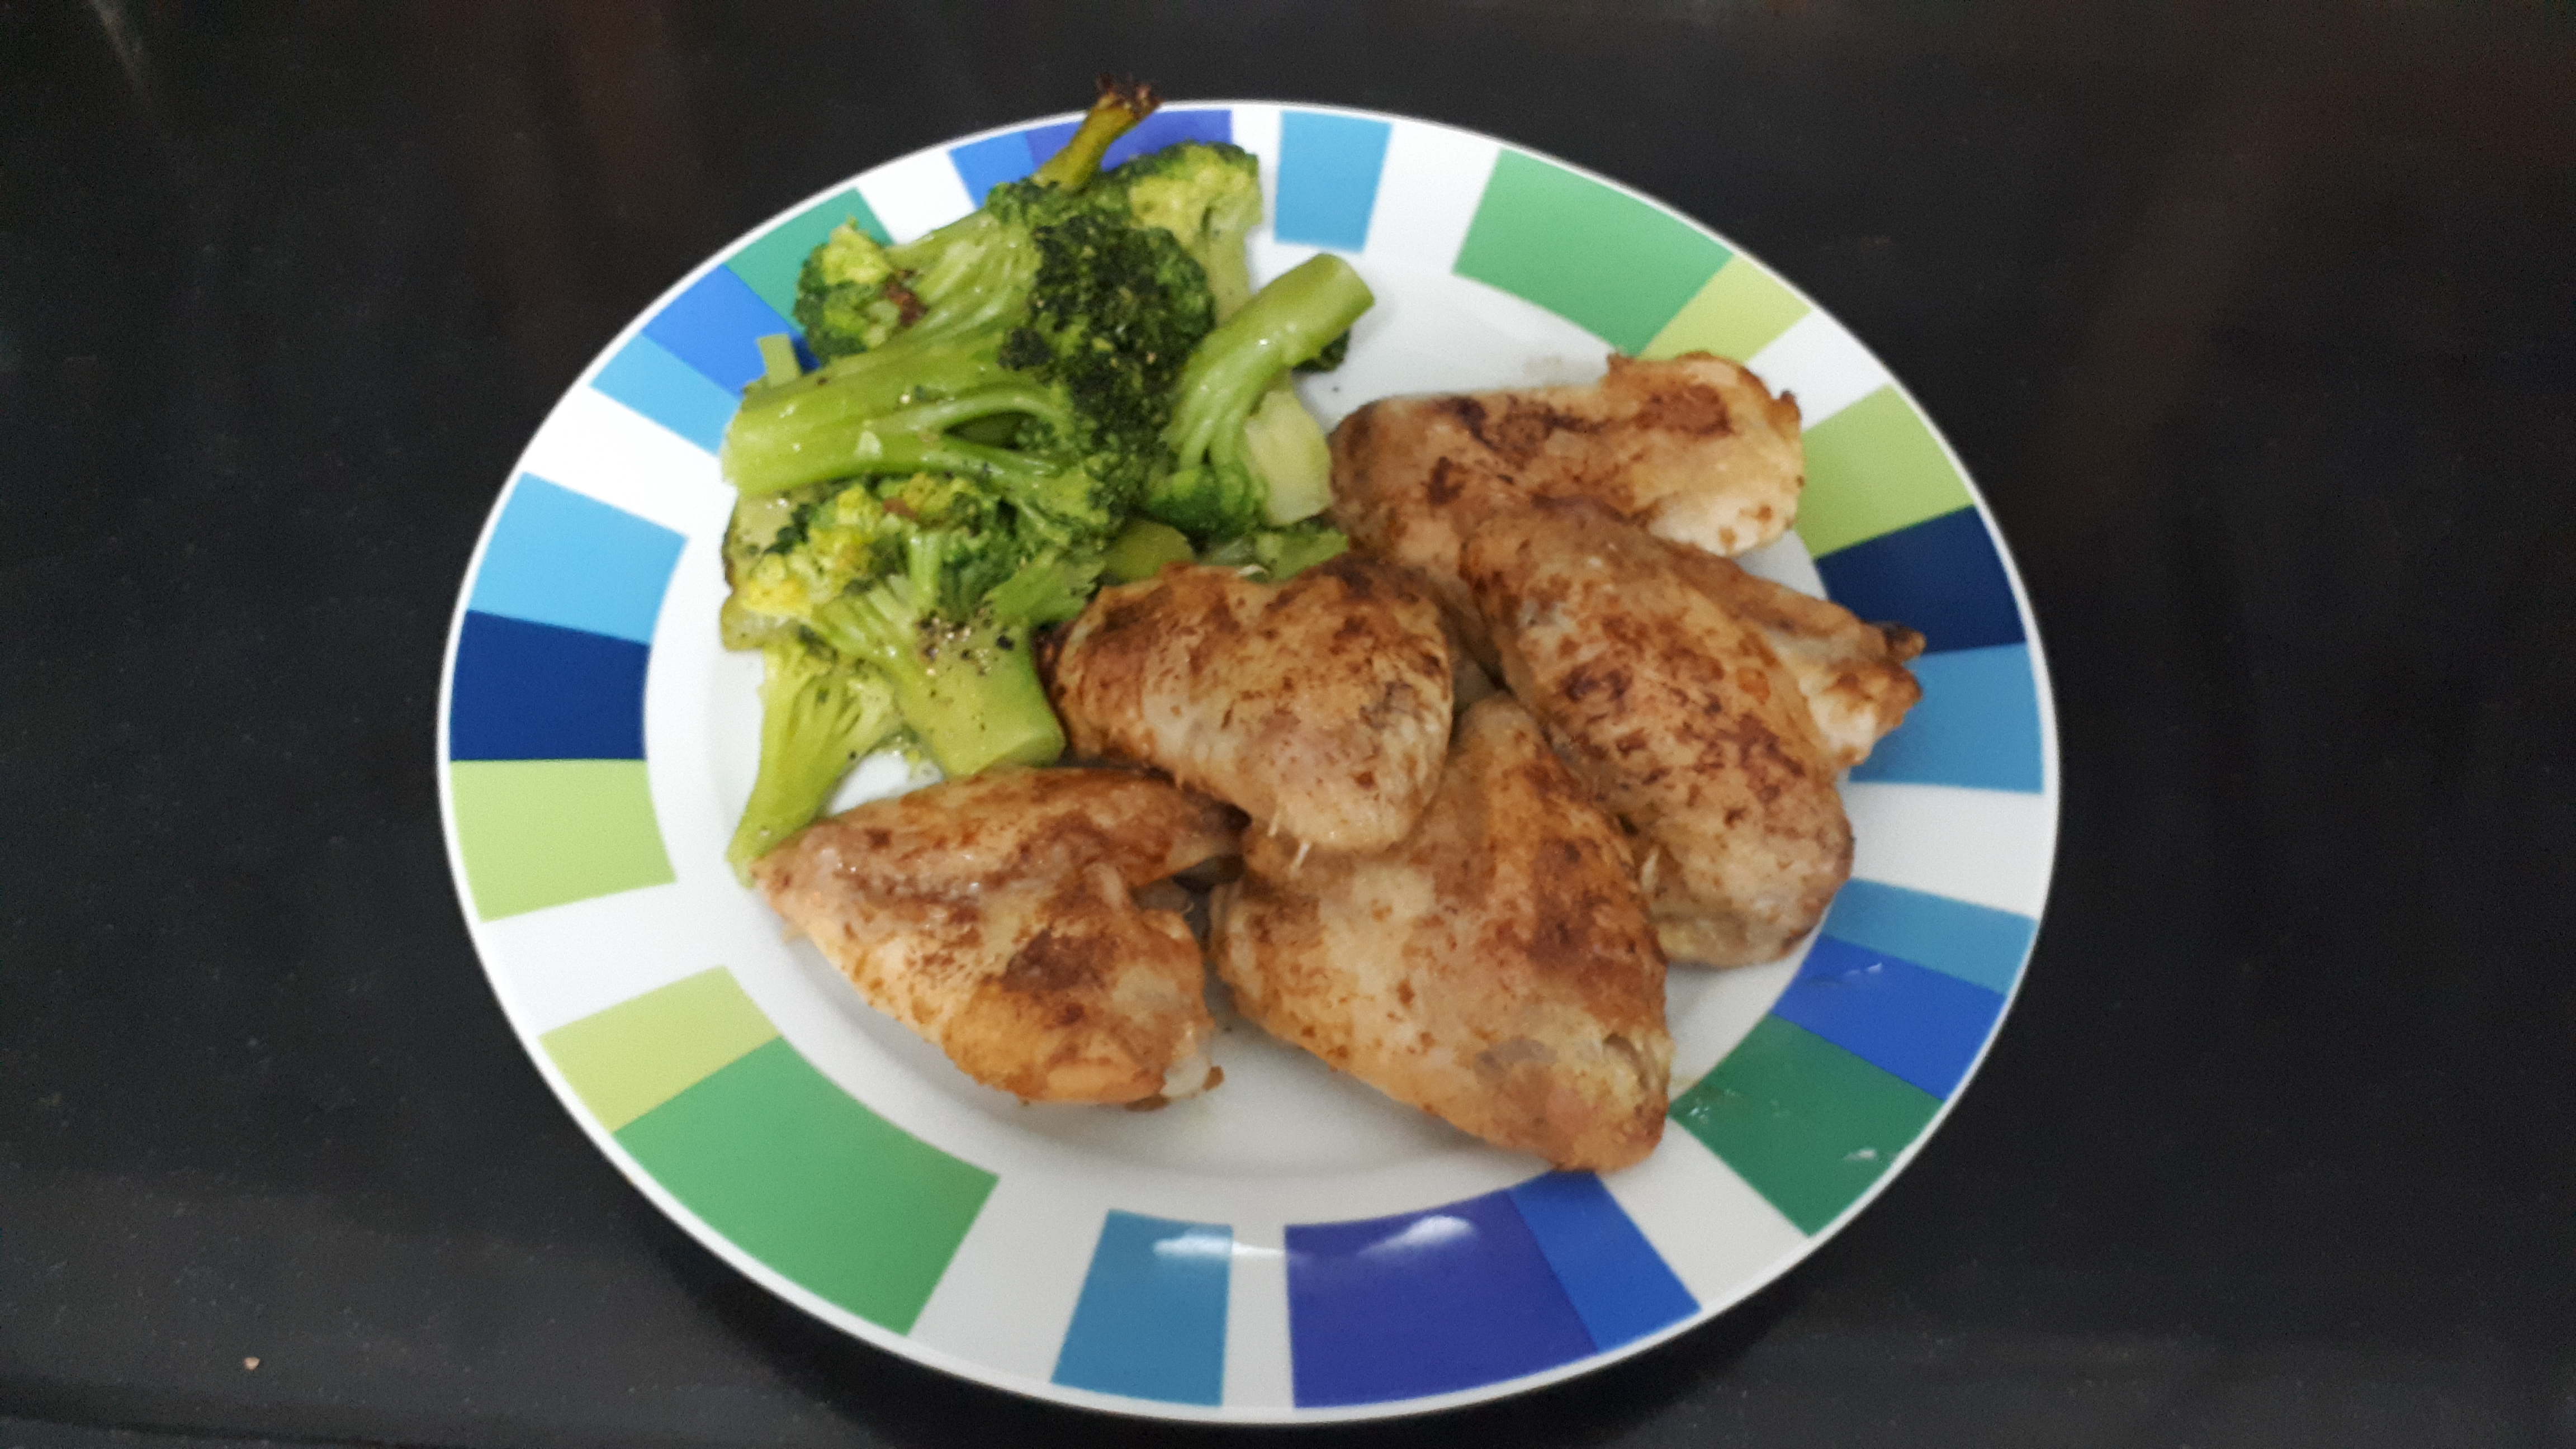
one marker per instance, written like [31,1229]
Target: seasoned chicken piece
[1680,716]
[1853,674]
[993,916]
[1497,969]
[1694,448]
[1320,706]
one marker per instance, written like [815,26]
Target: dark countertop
[2259,334]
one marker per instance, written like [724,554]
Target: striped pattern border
[1890,1009]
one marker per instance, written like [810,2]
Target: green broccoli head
[850,297]
[819,713]
[1208,196]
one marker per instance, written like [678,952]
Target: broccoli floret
[1280,554]
[1208,195]
[818,716]
[848,298]
[965,680]
[1244,450]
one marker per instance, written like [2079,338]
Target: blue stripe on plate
[557,557]
[985,164]
[1328,170]
[716,326]
[535,692]
[1942,576]
[1919,1025]
[1616,1280]
[1423,1303]
[1977,725]
[646,377]
[1151,1320]
[1977,944]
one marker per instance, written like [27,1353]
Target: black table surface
[2257,329]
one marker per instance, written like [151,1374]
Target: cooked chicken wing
[1694,448]
[1497,969]
[993,916]
[1853,674]
[1320,706]
[1680,716]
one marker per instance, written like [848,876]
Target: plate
[1292,1246]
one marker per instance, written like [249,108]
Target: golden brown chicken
[1694,448]
[994,917]
[1497,969]
[1680,716]
[1852,673]
[1320,706]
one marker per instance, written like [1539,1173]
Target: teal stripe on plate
[646,377]
[1977,725]
[771,265]
[1151,1320]
[1977,944]
[1328,173]
[560,558]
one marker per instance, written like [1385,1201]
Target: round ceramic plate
[1292,1246]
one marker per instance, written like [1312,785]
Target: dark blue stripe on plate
[1977,725]
[985,164]
[535,692]
[1942,576]
[1913,1023]
[646,377]
[716,326]
[1424,1303]
[1328,170]
[1616,1280]
[1975,943]
[1151,1320]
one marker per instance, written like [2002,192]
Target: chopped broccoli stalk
[818,716]
[778,359]
[1142,548]
[1220,484]
[1280,553]
[1285,445]
[970,691]
[1335,353]
[1116,111]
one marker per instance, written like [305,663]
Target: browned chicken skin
[1496,969]
[1320,706]
[993,916]
[1694,448]
[1853,674]
[1679,715]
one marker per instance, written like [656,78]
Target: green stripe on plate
[1639,263]
[1808,1124]
[1735,316]
[802,1177]
[636,1055]
[770,264]
[538,833]
[1872,469]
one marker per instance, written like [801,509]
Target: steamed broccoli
[817,717]
[1244,450]
[1206,194]
[1280,554]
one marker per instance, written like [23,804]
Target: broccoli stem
[970,692]
[1120,106]
[816,720]
[1287,322]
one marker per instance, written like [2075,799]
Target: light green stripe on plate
[770,264]
[636,1055]
[1872,469]
[1590,253]
[539,833]
[1808,1124]
[1735,315]
[801,1176]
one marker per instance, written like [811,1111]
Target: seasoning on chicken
[995,917]
[1695,448]
[1679,715]
[1320,706]
[1496,969]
